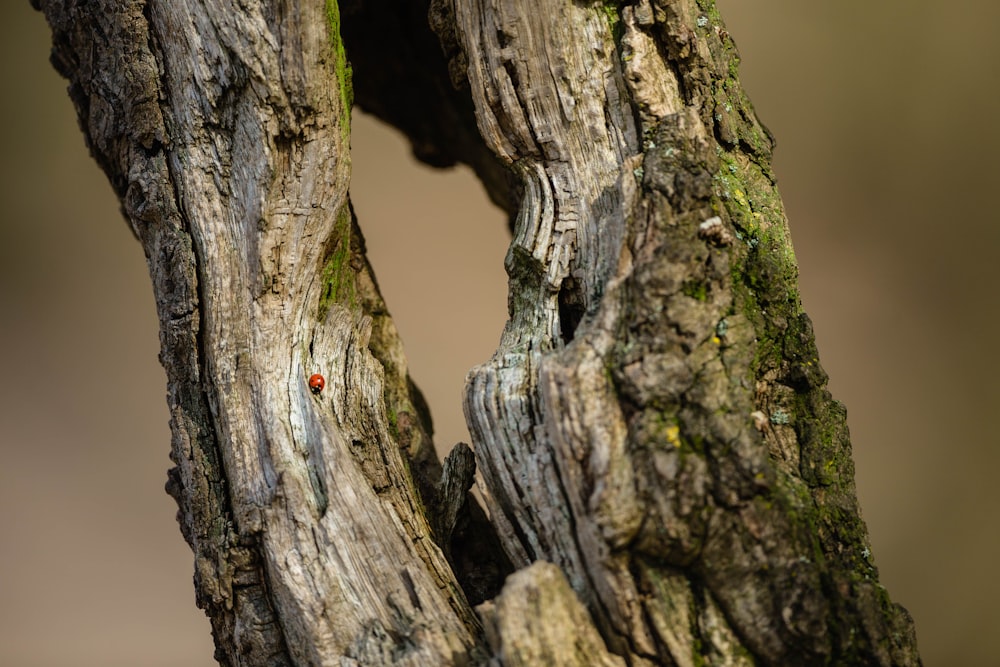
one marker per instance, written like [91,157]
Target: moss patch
[338,275]
[341,67]
[695,289]
[611,10]
[765,275]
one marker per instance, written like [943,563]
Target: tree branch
[224,130]
[655,421]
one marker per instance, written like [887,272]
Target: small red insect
[316,383]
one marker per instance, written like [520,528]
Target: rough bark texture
[224,130]
[655,420]
[654,423]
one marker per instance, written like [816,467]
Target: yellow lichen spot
[674,435]
[741,198]
[716,340]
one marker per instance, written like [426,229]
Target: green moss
[765,275]
[610,10]
[338,275]
[734,67]
[697,653]
[750,196]
[695,289]
[393,420]
[342,68]
[765,279]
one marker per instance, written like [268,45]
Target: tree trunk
[663,465]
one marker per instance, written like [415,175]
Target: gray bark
[663,464]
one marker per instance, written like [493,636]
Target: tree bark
[662,462]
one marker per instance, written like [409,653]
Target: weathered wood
[655,420]
[654,423]
[224,128]
[538,620]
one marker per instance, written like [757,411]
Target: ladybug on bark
[316,383]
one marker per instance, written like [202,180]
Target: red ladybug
[316,383]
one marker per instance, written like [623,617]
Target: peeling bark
[662,461]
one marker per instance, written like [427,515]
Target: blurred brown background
[886,118]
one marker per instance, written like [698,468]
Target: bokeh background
[886,118]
